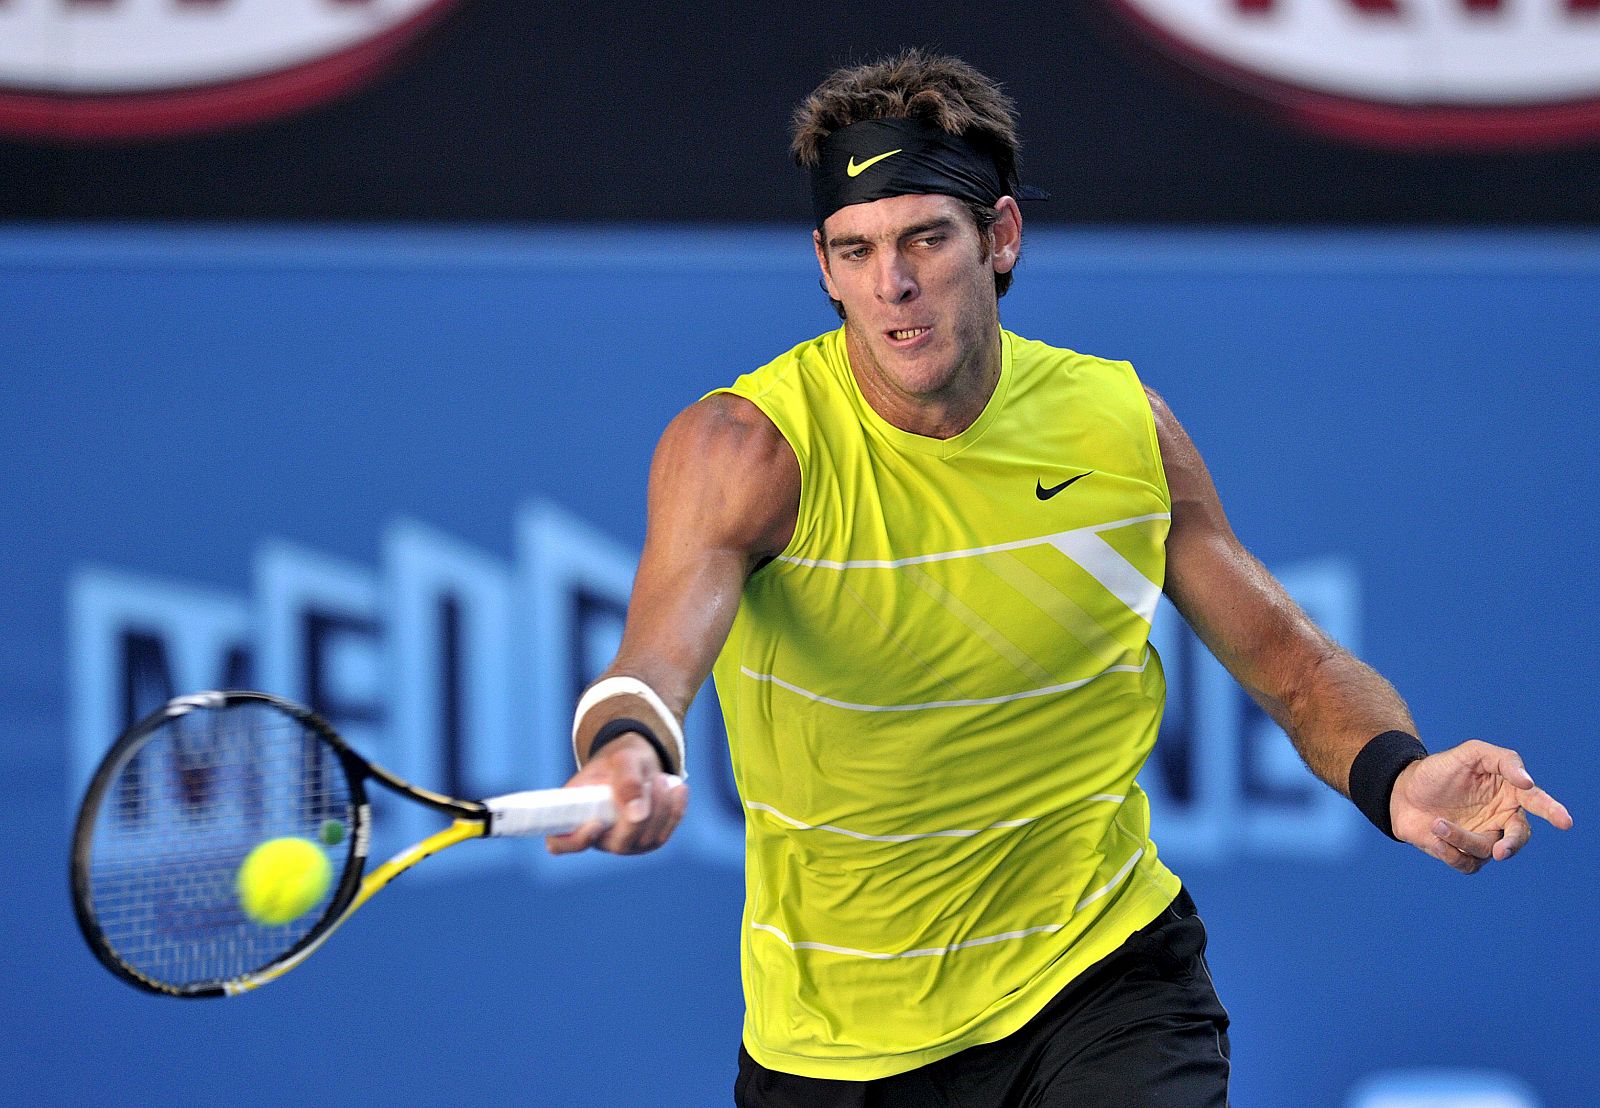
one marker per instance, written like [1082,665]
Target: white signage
[1473,72]
[127,67]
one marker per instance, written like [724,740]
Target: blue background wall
[1413,410]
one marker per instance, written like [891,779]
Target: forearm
[1462,805]
[1333,707]
[678,621]
[1327,700]
[676,626]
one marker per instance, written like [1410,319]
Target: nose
[896,283]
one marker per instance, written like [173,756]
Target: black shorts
[1142,1027]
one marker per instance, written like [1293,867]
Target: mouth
[907,334]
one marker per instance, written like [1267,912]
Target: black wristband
[623,725]
[1373,774]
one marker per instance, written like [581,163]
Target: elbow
[1310,685]
[1287,669]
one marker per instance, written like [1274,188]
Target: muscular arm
[1463,805]
[724,494]
[1326,700]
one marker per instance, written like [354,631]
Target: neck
[947,408]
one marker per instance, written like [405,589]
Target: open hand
[1469,804]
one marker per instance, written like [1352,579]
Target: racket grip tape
[552,811]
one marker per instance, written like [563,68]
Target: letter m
[133,643]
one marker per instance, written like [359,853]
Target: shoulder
[1193,493]
[1176,446]
[796,370]
[1178,453]
[724,465]
[726,427]
[1046,365]
[1166,422]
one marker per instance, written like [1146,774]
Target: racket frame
[470,819]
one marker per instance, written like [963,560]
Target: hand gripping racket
[185,795]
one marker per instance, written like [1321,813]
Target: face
[917,283]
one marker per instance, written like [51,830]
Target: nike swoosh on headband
[855,170]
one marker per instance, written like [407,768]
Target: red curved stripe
[1423,127]
[76,117]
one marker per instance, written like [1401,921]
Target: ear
[1007,233]
[822,263]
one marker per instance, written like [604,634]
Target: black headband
[876,158]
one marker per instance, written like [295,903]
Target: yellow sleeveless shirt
[937,699]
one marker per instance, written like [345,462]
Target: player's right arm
[724,495]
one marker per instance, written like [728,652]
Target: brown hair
[915,84]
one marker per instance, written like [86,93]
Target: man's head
[957,129]
[913,166]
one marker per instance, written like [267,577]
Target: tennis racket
[184,796]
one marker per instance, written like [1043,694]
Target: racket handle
[553,811]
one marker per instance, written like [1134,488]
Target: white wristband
[611,687]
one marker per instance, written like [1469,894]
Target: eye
[854,254]
[931,240]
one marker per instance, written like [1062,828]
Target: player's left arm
[1463,806]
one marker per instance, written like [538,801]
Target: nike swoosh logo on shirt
[1045,494]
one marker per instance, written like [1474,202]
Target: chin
[928,370]
[923,382]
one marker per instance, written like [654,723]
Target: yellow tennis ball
[283,879]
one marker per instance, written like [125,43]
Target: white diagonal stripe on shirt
[1118,576]
[1113,883]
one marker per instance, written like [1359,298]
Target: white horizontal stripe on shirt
[906,838]
[998,825]
[969,703]
[946,555]
[925,952]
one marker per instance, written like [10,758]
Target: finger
[1517,834]
[630,788]
[623,837]
[636,820]
[1508,764]
[653,832]
[579,838]
[1475,843]
[649,833]
[1452,857]
[667,806]
[1546,807]
[672,803]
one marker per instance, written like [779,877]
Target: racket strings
[186,808]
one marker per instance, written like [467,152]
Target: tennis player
[922,554]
